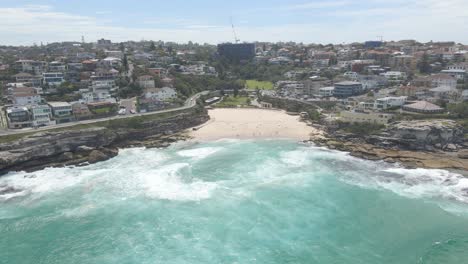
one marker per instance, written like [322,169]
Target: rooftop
[348,83]
[59,104]
[423,105]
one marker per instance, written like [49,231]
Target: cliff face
[426,134]
[72,147]
[435,144]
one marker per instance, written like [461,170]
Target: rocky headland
[435,144]
[91,145]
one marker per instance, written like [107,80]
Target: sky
[209,21]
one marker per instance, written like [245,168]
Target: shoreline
[253,123]
[81,148]
[243,127]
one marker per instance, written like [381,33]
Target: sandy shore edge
[251,123]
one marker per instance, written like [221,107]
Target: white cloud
[318,5]
[423,20]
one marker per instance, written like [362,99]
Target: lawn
[231,101]
[262,85]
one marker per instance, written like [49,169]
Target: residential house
[162,94]
[411,90]
[458,66]
[443,80]
[146,82]
[351,75]
[404,63]
[57,66]
[18,117]
[62,112]
[85,55]
[89,65]
[53,78]
[41,115]
[30,66]
[111,62]
[390,102]
[114,53]
[326,91]
[394,76]
[423,107]
[458,74]
[81,111]
[151,104]
[362,116]
[24,77]
[464,95]
[347,89]
[370,82]
[25,96]
[444,93]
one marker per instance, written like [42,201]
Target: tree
[125,63]
[424,65]
[236,91]
[170,49]
[152,46]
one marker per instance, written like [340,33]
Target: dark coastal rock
[97,156]
[463,154]
[73,147]
[423,135]
[8,190]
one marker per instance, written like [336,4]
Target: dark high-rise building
[243,51]
[373,44]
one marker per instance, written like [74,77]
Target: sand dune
[253,123]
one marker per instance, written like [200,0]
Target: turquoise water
[235,202]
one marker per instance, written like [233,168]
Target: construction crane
[381,38]
[234,31]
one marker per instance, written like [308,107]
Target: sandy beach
[253,123]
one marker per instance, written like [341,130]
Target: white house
[53,78]
[165,93]
[146,82]
[351,75]
[459,74]
[42,115]
[443,80]
[394,75]
[389,102]
[326,91]
[25,96]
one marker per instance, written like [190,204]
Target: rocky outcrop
[425,135]
[84,146]
[435,144]
[411,159]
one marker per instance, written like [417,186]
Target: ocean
[235,201]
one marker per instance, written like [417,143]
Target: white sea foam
[295,158]
[426,183]
[168,183]
[199,153]
[44,181]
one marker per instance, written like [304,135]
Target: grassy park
[262,85]
[231,101]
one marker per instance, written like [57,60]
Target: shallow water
[230,201]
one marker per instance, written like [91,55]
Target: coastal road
[189,103]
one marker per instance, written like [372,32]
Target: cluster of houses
[372,81]
[90,78]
